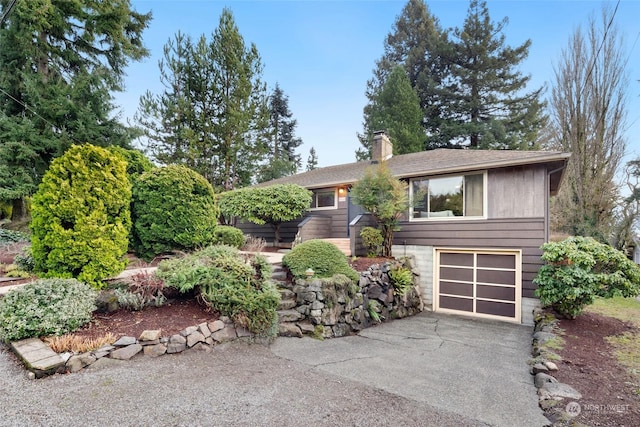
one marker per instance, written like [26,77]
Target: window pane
[445,197]
[473,195]
[325,199]
[419,189]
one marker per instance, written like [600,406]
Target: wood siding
[288,230]
[518,192]
[527,234]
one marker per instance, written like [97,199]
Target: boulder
[155,350]
[558,391]
[149,335]
[126,353]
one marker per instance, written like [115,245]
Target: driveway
[423,371]
[473,368]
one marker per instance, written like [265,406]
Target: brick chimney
[381,148]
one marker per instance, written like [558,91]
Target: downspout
[546,202]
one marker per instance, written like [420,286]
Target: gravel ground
[234,385]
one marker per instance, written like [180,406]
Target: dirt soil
[609,391]
[363,263]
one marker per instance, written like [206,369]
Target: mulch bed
[609,390]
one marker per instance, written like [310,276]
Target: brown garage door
[484,283]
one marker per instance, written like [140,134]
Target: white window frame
[324,208]
[485,198]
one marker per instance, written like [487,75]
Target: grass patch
[625,309]
[556,343]
[627,350]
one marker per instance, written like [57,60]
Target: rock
[66,356]
[107,301]
[286,294]
[126,353]
[306,327]
[188,331]
[104,362]
[543,337]
[225,319]
[209,341]
[539,367]
[331,315]
[307,296]
[375,292]
[316,305]
[289,330]
[155,350]
[226,334]
[542,378]
[215,326]
[550,365]
[145,343]
[341,330]
[31,375]
[125,341]
[287,304]
[558,391]
[302,309]
[87,359]
[289,316]
[242,332]
[176,347]
[74,364]
[194,338]
[98,354]
[204,330]
[177,339]
[108,348]
[149,335]
[201,347]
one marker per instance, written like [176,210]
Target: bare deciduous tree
[588,112]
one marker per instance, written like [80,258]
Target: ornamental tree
[385,197]
[271,205]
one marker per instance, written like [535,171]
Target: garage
[478,282]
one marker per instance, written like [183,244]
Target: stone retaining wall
[199,337]
[326,308]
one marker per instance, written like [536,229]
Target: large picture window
[324,199]
[447,197]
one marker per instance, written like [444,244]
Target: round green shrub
[46,307]
[235,285]
[227,235]
[372,239]
[137,163]
[80,216]
[173,208]
[324,258]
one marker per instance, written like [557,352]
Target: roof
[433,162]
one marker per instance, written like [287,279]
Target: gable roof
[433,162]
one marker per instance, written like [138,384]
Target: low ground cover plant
[9,237]
[46,307]
[235,285]
[578,270]
[324,258]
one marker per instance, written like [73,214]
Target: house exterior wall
[517,192]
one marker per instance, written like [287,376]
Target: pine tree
[282,158]
[60,61]
[312,160]
[212,115]
[487,106]
[396,109]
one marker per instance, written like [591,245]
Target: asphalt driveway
[473,368]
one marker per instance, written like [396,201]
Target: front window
[323,199]
[447,197]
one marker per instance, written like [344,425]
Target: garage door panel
[453,288]
[453,303]
[496,261]
[496,308]
[499,277]
[496,292]
[465,260]
[458,274]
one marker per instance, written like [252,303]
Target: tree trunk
[387,233]
[276,235]
[19,211]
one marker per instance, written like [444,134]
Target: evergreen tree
[212,115]
[487,106]
[312,160]
[415,42]
[60,60]
[396,109]
[282,157]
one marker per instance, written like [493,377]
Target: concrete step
[37,356]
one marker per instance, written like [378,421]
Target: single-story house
[477,221]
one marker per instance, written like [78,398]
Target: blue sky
[323,52]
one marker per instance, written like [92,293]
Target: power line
[6,12]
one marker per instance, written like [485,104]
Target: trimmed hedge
[173,208]
[80,216]
[230,236]
[46,307]
[324,258]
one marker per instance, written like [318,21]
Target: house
[477,221]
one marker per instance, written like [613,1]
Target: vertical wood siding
[518,192]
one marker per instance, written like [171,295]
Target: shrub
[24,259]
[80,216]
[227,235]
[8,237]
[324,258]
[579,269]
[372,240]
[401,280]
[236,286]
[45,307]
[145,289]
[137,163]
[173,208]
